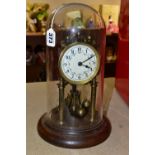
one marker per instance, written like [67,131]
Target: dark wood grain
[73,137]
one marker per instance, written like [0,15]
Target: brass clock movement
[75,63]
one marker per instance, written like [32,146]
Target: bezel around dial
[80,81]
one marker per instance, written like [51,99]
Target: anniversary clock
[75,40]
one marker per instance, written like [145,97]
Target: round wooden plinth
[73,138]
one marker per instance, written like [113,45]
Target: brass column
[61,101]
[93,98]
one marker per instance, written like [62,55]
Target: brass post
[61,101]
[93,98]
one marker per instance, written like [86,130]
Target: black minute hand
[88,58]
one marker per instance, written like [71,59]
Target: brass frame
[93,98]
[61,101]
[83,81]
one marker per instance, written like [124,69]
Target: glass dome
[75,78]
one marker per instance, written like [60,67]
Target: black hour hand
[87,66]
[81,64]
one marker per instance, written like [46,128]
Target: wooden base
[71,137]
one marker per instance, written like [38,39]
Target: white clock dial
[79,63]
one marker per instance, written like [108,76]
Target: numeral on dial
[94,62]
[72,75]
[79,77]
[86,74]
[79,50]
[68,57]
[72,51]
[67,71]
[65,64]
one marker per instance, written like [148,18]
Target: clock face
[79,63]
